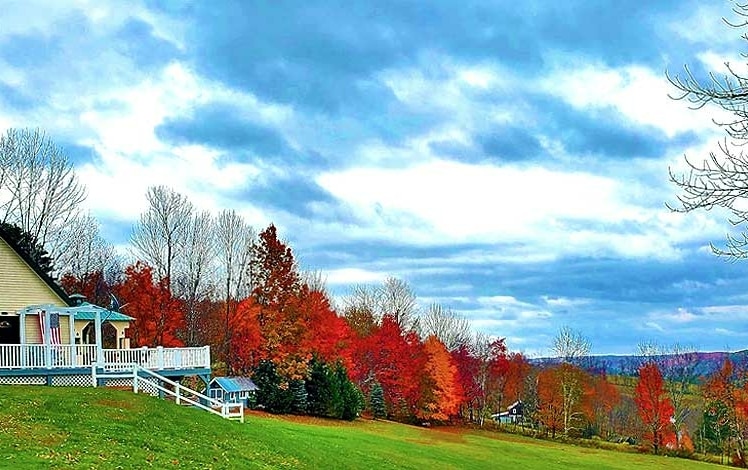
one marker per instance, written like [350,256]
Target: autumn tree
[443,397]
[276,288]
[39,190]
[550,401]
[721,180]
[158,315]
[655,408]
[726,410]
[599,400]
[395,359]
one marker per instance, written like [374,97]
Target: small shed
[513,413]
[233,390]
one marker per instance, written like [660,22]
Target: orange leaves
[445,395]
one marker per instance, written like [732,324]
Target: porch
[40,359]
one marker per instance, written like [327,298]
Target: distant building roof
[235,384]
[84,311]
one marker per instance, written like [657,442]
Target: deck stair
[143,379]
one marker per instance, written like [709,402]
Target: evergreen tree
[297,390]
[319,389]
[274,394]
[376,401]
[350,400]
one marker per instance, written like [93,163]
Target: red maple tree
[655,408]
[158,315]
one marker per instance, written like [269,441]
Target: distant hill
[708,362]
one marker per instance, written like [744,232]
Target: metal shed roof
[234,384]
[84,311]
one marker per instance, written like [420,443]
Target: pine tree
[297,390]
[376,401]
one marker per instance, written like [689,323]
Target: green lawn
[45,427]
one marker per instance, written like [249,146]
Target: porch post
[99,347]
[73,349]
[23,341]
[47,340]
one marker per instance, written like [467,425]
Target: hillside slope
[45,427]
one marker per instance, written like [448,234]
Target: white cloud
[348,276]
[637,92]
[554,212]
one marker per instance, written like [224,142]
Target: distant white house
[513,413]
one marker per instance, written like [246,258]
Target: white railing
[64,356]
[42,356]
[181,394]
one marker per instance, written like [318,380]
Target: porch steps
[143,378]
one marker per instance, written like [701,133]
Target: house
[513,413]
[233,390]
[49,337]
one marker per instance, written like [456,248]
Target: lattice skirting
[31,380]
[72,381]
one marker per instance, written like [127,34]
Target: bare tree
[570,345]
[315,281]
[196,263]
[39,191]
[722,179]
[396,298]
[234,240]
[82,250]
[452,329]
[160,235]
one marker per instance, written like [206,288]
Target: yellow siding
[33,330]
[20,286]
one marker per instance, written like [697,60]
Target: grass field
[45,427]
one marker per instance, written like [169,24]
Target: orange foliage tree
[281,316]
[442,397]
[600,398]
[158,315]
[550,411]
[655,408]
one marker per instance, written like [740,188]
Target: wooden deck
[51,360]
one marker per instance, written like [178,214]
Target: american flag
[54,328]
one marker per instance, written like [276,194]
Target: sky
[509,160]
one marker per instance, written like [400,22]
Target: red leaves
[158,315]
[396,360]
[655,408]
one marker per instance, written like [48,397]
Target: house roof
[35,267]
[84,311]
[235,384]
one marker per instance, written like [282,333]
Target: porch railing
[63,356]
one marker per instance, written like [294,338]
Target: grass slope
[45,427]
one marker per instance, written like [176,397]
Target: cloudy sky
[508,159]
